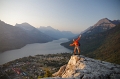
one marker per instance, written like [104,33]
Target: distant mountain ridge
[34,32]
[56,33]
[101,26]
[25,26]
[13,37]
[105,22]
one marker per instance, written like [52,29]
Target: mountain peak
[81,67]
[105,19]
[101,26]
[25,23]
[104,22]
[49,26]
[25,26]
[46,28]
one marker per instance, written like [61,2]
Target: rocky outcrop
[87,68]
[105,22]
[60,72]
[80,67]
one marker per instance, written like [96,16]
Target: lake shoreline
[33,65]
[34,49]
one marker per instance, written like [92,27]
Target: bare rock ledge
[80,67]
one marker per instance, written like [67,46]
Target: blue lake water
[34,49]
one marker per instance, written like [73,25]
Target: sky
[64,15]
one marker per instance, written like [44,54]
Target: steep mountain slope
[101,26]
[56,33]
[104,46]
[25,26]
[110,48]
[92,45]
[12,37]
[34,33]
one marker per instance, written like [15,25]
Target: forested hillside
[103,46]
[110,48]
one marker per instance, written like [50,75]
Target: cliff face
[80,67]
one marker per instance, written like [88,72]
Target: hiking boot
[74,53]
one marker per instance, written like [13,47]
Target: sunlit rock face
[86,68]
[80,67]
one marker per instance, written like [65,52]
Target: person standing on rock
[76,45]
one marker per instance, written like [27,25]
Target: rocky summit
[81,67]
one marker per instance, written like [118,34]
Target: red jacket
[75,42]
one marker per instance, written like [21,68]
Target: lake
[34,49]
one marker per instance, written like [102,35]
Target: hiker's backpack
[78,43]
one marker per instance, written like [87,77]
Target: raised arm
[78,38]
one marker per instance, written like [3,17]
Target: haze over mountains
[14,37]
[33,32]
[26,26]
[101,41]
[56,33]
